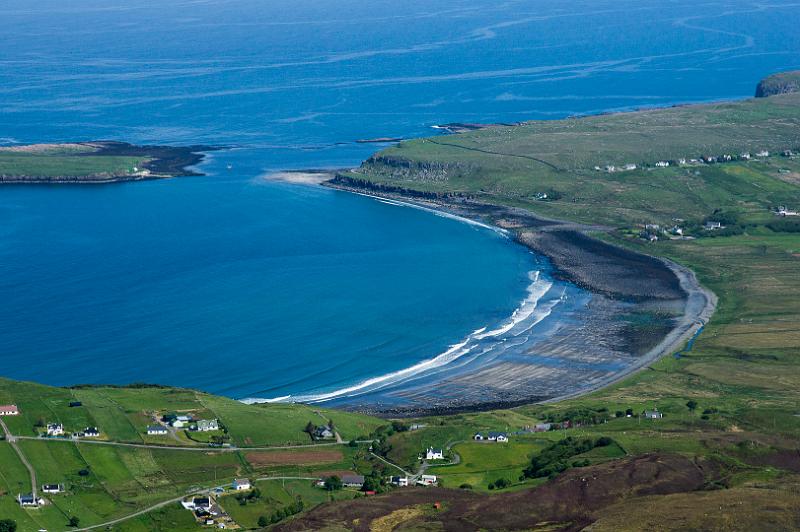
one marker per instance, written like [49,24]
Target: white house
[427,480]
[91,432]
[241,484]
[206,425]
[434,454]
[55,429]
[198,503]
[179,424]
[157,430]
[9,410]
[783,211]
[629,167]
[491,436]
[28,500]
[744,156]
[662,164]
[653,414]
[498,436]
[400,481]
[52,488]
[710,226]
[762,153]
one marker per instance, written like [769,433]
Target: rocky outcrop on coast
[781,83]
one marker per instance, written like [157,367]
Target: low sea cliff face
[400,168]
[782,83]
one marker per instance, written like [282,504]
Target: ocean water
[237,285]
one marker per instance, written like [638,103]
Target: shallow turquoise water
[239,286]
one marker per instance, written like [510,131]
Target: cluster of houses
[30,500]
[422,480]
[784,211]
[180,422]
[491,436]
[652,231]
[56,430]
[207,511]
[682,161]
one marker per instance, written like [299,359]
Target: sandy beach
[300,177]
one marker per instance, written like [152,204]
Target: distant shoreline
[160,162]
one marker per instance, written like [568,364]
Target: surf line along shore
[595,345]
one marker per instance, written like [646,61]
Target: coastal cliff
[781,83]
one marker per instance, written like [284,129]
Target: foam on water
[483,345]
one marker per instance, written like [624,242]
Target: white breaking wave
[536,290]
[521,320]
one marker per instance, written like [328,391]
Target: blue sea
[238,285]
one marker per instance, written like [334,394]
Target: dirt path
[385,461]
[12,440]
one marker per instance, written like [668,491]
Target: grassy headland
[95,162]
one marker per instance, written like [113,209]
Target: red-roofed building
[8,410]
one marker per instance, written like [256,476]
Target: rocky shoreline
[624,283]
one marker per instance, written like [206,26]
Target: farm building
[157,430]
[75,404]
[353,481]
[427,480]
[52,488]
[241,484]
[9,410]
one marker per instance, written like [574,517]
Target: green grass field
[122,480]
[61,164]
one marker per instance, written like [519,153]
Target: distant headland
[96,162]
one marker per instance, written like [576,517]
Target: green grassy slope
[511,165]
[117,480]
[744,368]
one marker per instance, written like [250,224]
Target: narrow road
[198,448]
[174,500]
[13,442]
